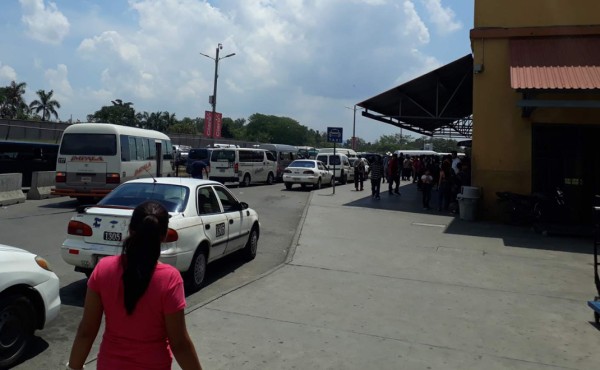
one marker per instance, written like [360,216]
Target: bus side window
[125,153]
[139,144]
[152,148]
[132,149]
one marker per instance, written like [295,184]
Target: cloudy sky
[310,60]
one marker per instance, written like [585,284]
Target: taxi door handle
[231,222]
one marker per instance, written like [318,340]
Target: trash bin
[467,202]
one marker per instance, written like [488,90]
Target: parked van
[284,154]
[348,152]
[242,165]
[343,171]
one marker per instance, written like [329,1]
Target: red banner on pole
[208,124]
[218,121]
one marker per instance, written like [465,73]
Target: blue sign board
[334,134]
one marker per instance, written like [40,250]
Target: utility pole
[213,98]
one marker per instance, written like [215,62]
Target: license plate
[86,179]
[112,236]
[222,169]
[297,178]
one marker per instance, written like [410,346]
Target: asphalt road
[40,227]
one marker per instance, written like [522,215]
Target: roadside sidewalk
[382,284]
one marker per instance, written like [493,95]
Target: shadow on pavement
[577,239]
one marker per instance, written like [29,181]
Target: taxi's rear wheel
[318,184]
[270,179]
[288,185]
[197,271]
[17,318]
[251,247]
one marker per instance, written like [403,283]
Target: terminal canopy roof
[439,103]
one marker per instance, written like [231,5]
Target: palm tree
[45,104]
[13,103]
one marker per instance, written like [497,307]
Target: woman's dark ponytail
[141,250]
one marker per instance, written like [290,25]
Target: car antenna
[149,173]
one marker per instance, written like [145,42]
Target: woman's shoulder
[166,270]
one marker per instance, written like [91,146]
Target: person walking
[444,185]
[143,303]
[394,174]
[426,185]
[376,172]
[359,174]
[197,168]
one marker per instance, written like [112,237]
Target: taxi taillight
[236,167]
[113,178]
[79,228]
[61,177]
[172,236]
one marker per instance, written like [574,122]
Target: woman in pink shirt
[143,301]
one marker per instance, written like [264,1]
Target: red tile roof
[555,63]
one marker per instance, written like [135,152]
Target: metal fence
[51,132]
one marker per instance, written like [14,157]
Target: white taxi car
[307,171]
[29,299]
[207,222]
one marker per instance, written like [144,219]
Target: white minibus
[95,158]
[242,165]
[350,153]
[284,154]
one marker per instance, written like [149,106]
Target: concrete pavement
[382,284]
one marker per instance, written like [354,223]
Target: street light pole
[213,99]
[353,128]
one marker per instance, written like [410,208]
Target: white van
[242,165]
[343,171]
[284,154]
[350,153]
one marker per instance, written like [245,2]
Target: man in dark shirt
[197,168]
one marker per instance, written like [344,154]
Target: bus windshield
[89,144]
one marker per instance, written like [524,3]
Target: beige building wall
[502,142]
[535,13]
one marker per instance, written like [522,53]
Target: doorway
[565,156]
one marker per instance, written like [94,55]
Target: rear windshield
[223,156]
[304,164]
[199,154]
[172,197]
[333,159]
[89,144]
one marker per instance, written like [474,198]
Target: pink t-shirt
[138,341]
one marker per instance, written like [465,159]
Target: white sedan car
[29,299]
[207,222]
[307,171]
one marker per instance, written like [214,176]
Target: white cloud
[7,74]
[58,80]
[443,18]
[45,24]
[414,23]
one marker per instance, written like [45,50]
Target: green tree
[119,113]
[234,129]
[273,129]
[45,104]
[12,104]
